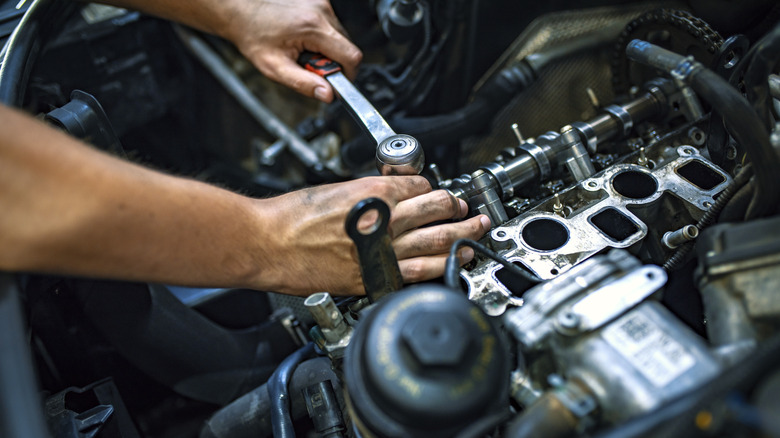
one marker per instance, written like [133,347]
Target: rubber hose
[763,57]
[249,416]
[749,132]
[179,347]
[735,210]
[743,122]
[452,265]
[281,422]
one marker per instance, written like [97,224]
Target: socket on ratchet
[396,154]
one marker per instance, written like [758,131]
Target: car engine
[624,151]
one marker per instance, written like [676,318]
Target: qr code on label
[636,329]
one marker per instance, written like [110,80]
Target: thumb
[286,71]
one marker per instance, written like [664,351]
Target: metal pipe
[327,316]
[673,239]
[233,84]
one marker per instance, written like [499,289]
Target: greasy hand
[273,33]
[309,250]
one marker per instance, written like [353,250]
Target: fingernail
[485,222]
[464,208]
[321,93]
[466,255]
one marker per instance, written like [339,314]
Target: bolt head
[568,320]
[437,339]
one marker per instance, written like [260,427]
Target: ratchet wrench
[396,154]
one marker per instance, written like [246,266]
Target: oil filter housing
[425,362]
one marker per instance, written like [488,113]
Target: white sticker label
[649,349]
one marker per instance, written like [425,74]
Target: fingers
[391,189]
[283,68]
[434,206]
[334,45]
[439,239]
[279,62]
[420,269]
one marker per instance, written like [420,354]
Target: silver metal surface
[673,239]
[484,199]
[615,298]
[637,363]
[233,84]
[326,314]
[622,116]
[542,162]
[596,331]
[400,154]
[504,181]
[537,320]
[577,159]
[372,122]
[588,135]
[581,235]
[741,302]
[334,328]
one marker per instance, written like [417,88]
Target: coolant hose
[742,121]
[249,416]
[281,422]
[763,58]
[452,266]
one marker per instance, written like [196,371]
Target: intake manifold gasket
[618,208]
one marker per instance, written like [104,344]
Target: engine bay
[625,152]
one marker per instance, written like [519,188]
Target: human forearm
[67,208]
[70,209]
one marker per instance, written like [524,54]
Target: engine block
[629,205]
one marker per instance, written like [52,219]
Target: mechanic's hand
[273,33]
[309,250]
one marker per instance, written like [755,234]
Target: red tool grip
[316,63]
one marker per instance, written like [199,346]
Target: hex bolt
[437,339]
[568,320]
[673,239]
[697,136]
[731,153]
